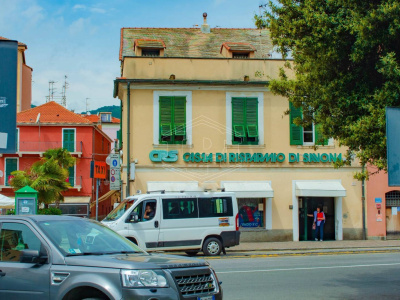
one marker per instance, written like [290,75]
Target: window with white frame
[172,117]
[245,119]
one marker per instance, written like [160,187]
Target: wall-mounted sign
[100,170]
[197,157]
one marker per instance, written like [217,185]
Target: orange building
[53,126]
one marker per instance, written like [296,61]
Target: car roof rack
[157,191]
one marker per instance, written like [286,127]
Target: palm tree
[47,176]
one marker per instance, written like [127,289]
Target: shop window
[245,121]
[172,120]
[215,207]
[180,208]
[251,212]
[308,135]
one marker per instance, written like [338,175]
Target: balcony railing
[24,147]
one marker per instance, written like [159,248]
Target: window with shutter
[308,135]
[69,139]
[296,132]
[245,121]
[71,176]
[172,120]
[11,166]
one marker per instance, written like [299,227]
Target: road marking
[314,268]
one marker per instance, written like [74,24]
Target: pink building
[53,126]
[383,207]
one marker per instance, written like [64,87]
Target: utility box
[26,200]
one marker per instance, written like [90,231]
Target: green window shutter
[296,132]
[69,139]
[11,166]
[165,117]
[238,117]
[319,140]
[71,177]
[180,116]
[252,117]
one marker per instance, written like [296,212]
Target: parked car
[191,221]
[71,258]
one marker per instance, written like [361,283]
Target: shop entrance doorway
[307,206]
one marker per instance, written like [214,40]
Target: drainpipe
[363,204]
[128,144]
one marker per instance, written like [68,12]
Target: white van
[191,222]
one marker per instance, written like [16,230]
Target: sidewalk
[312,246]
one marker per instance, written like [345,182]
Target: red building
[53,126]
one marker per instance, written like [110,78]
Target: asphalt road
[356,276]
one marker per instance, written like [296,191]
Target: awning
[173,186]
[6,202]
[107,195]
[323,188]
[76,199]
[249,189]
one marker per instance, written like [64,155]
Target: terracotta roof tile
[96,119]
[191,42]
[51,113]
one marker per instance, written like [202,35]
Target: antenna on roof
[63,93]
[87,105]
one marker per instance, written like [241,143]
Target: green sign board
[243,157]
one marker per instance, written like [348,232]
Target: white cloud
[79,6]
[98,10]
[33,14]
[92,9]
[78,26]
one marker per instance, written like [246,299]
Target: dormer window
[105,117]
[237,50]
[150,48]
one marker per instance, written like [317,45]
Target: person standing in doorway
[319,220]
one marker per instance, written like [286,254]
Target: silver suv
[59,257]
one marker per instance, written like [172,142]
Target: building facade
[52,126]
[198,115]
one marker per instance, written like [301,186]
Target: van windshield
[117,212]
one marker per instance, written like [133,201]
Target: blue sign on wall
[8,95]
[393,144]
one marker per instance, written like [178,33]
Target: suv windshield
[117,212]
[86,237]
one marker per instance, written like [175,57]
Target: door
[21,280]
[392,223]
[307,206]
[147,229]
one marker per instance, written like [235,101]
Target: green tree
[343,69]
[48,176]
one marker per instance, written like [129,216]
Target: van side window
[215,207]
[180,208]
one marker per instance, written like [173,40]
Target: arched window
[392,198]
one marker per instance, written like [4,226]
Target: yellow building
[198,115]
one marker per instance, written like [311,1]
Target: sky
[80,39]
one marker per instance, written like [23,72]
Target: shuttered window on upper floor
[245,129]
[172,120]
[308,135]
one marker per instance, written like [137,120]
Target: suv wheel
[212,247]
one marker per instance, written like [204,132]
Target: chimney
[205,28]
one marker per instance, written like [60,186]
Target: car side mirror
[32,257]
[133,218]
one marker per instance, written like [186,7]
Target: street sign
[100,170]
[115,172]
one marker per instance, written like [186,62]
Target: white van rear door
[147,229]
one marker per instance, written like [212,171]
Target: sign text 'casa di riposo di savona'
[243,157]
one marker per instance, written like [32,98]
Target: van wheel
[191,253]
[212,247]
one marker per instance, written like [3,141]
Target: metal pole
[97,199]
[363,205]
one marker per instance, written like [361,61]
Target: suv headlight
[143,278]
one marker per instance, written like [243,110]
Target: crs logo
[163,155]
